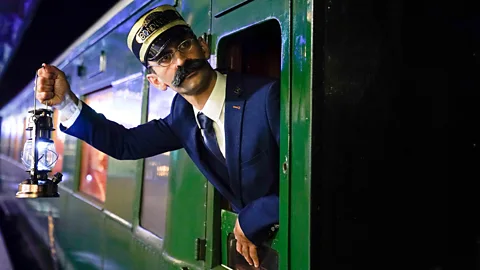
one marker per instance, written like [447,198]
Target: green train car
[160,212]
[370,133]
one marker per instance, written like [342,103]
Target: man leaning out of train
[227,123]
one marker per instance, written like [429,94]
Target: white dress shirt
[214,109]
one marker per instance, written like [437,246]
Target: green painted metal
[136,205]
[116,247]
[285,141]
[186,211]
[222,6]
[85,249]
[146,254]
[228,224]
[300,158]
[213,229]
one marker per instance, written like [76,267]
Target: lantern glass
[47,156]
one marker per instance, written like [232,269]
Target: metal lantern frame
[40,128]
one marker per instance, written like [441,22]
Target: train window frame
[245,53]
[113,93]
[224,59]
[83,146]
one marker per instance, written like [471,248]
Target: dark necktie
[206,125]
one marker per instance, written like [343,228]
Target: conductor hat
[153,31]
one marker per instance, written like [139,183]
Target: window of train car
[11,136]
[17,131]
[260,57]
[124,107]
[12,131]
[59,140]
[5,136]
[156,170]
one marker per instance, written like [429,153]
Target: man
[228,124]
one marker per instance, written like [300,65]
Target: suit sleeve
[272,108]
[257,218]
[149,139]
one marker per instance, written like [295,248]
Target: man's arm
[81,121]
[115,140]
[272,107]
[258,217]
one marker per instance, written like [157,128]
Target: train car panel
[106,61]
[118,244]
[85,233]
[197,15]
[185,230]
[300,164]
[221,7]
[146,254]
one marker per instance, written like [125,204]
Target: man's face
[183,66]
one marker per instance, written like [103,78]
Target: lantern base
[39,190]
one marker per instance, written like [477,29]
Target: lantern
[39,156]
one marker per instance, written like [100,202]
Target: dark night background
[54,26]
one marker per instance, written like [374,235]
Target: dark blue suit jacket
[251,140]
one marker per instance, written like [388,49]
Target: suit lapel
[234,105]
[192,146]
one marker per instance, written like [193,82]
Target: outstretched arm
[145,140]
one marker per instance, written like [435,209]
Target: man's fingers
[243,249]
[53,70]
[246,254]
[44,88]
[48,98]
[252,249]
[43,96]
[43,73]
[45,81]
[239,247]
[44,85]
[54,101]
[49,72]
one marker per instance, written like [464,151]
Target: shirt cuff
[70,112]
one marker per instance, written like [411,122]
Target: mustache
[189,66]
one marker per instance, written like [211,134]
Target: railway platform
[5,262]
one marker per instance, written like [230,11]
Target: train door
[253,37]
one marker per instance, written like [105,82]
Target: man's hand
[52,86]
[245,247]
